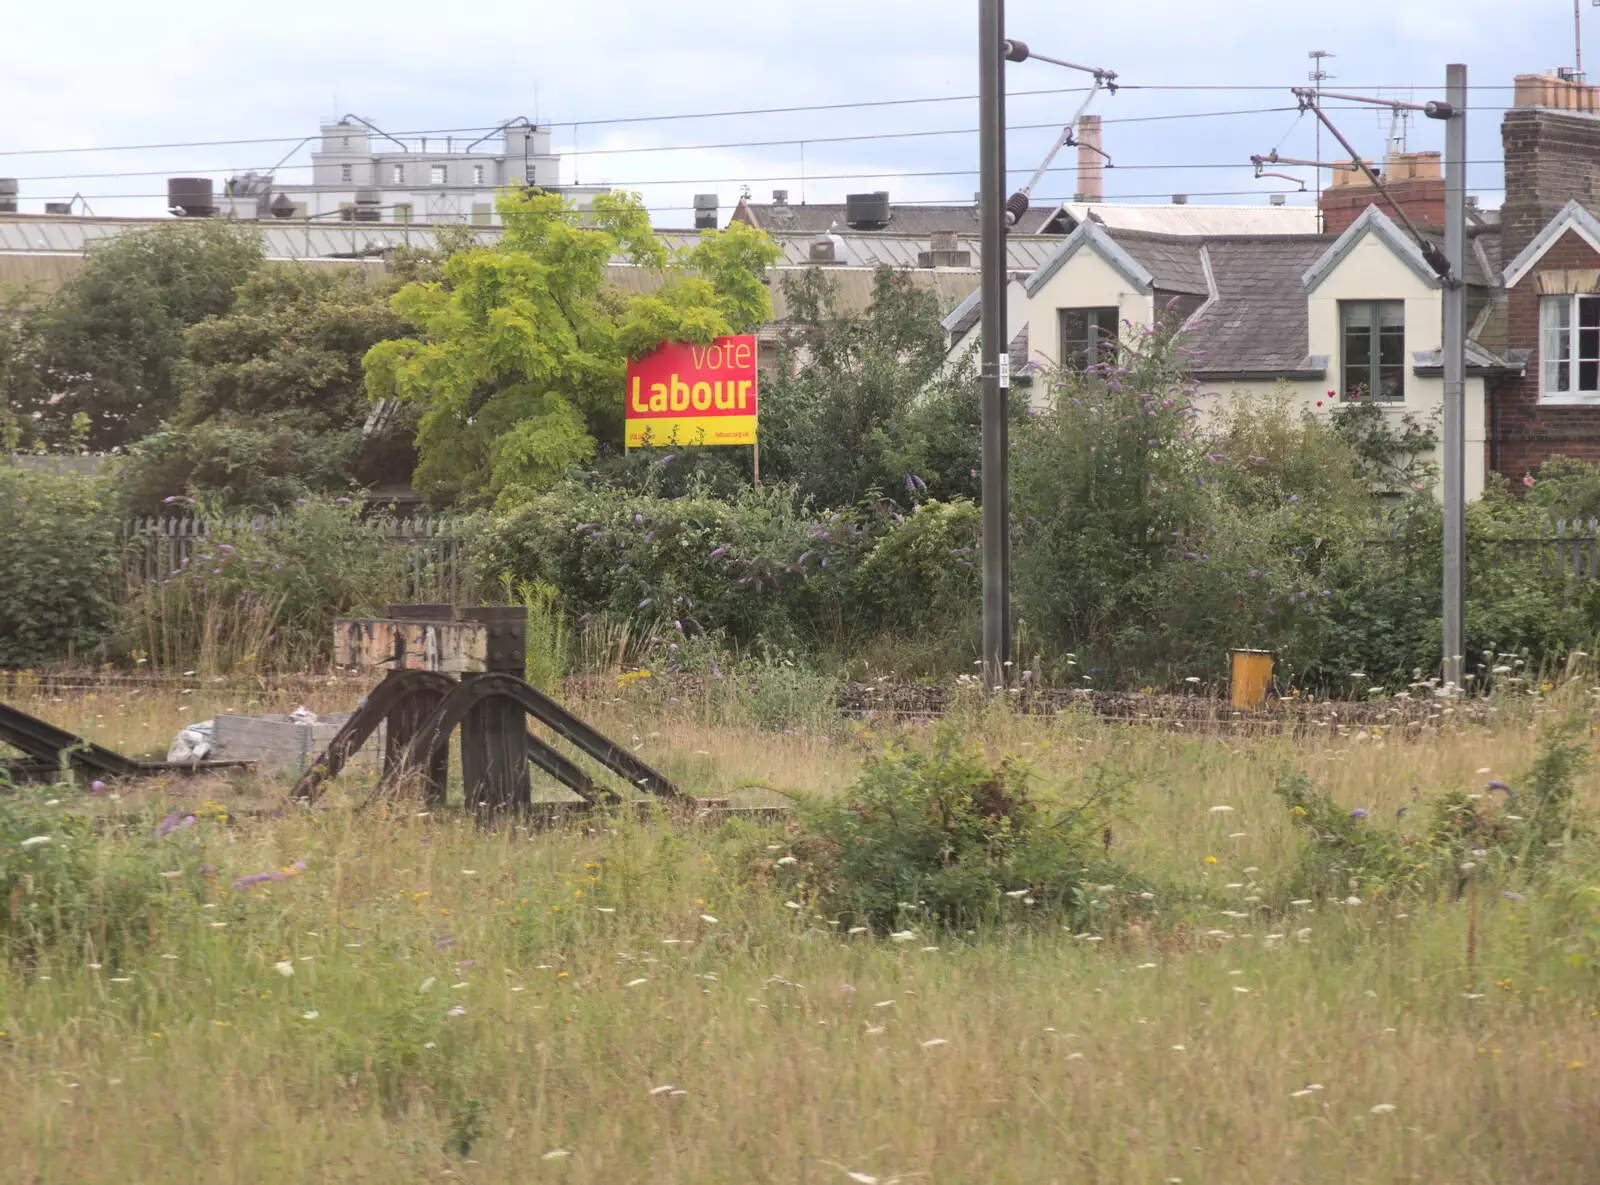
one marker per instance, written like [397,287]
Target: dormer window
[1569,348]
[1373,337]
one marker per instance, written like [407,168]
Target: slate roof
[1257,323]
[1173,261]
[820,217]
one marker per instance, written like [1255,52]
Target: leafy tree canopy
[519,367]
[110,341]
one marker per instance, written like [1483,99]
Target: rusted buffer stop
[451,668]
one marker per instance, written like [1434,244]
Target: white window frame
[437,175]
[347,174]
[477,175]
[1559,317]
[397,174]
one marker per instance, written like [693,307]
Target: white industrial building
[361,173]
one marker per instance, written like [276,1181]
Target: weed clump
[943,836]
[1503,831]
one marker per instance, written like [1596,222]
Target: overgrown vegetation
[943,837]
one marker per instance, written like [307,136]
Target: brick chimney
[1091,165]
[1551,140]
[1414,179]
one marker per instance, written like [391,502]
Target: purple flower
[1189,555]
[1497,784]
[1400,812]
[1294,497]
[718,551]
[172,822]
[638,518]
[1253,574]
[801,562]
[97,786]
[644,604]
[341,501]
[1358,814]
[667,460]
[1510,896]
[1216,456]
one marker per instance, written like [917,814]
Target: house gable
[1091,236]
[1573,220]
[1375,224]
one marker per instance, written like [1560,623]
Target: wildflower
[934,1042]
[1358,814]
[1221,809]
[787,860]
[633,983]
[1498,785]
[708,919]
[899,935]
[458,1010]
[655,1090]
[34,841]
[556,1154]
[1211,859]
[425,985]
[1383,1109]
[97,786]
[312,1015]
[284,968]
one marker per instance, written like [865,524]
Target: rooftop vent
[8,195]
[705,211]
[282,207]
[368,207]
[867,211]
[1180,199]
[1276,199]
[780,197]
[825,249]
[946,251]
[58,207]
[190,197]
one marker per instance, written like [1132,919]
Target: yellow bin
[1252,675]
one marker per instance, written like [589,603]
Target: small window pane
[346,172]
[399,175]
[436,174]
[1555,344]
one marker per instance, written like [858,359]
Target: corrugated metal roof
[302,240]
[853,286]
[1198,220]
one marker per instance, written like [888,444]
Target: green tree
[519,368]
[273,399]
[111,339]
[864,401]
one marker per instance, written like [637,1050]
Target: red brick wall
[1522,432]
[1422,198]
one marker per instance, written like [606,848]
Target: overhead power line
[582,123]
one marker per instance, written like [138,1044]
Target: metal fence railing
[434,565]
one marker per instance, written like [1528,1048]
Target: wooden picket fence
[434,570]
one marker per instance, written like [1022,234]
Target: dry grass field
[419,998]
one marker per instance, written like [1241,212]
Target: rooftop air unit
[867,211]
[705,211]
[190,197]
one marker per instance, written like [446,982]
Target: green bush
[924,573]
[944,837]
[60,566]
[756,568]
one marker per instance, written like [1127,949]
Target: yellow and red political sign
[682,394]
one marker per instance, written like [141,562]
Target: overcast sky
[97,74]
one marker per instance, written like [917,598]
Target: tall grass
[642,1002]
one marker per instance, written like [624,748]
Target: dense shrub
[60,568]
[759,566]
[944,837]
